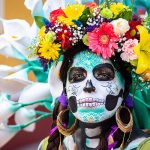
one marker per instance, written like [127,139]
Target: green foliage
[146,23]
[85,15]
[41,21]
[127,15]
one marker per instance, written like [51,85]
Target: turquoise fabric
[141,98]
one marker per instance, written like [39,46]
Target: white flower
[7,133]
[15,39]
[121,26]
[7,108]
[25,115]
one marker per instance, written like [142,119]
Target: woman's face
[94,88]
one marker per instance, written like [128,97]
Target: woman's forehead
[88,60]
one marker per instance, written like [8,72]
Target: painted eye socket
[104,72]
[77,74]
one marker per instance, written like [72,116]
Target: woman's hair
[54,139]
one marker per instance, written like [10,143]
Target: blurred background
[12,9]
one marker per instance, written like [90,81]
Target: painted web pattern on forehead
[87,60]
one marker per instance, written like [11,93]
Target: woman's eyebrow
[105,65]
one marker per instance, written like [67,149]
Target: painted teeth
[90,102]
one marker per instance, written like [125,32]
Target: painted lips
[90,102]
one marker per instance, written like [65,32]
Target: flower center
[133,32]
[13,36]
[103,39]
[63,36]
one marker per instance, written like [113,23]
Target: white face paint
[91,79]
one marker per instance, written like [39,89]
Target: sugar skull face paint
[94,88]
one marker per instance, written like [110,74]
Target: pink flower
[103,40]
[128,52]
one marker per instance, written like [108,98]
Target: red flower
[91,5]
[133,32]
[63,36]
[55,14]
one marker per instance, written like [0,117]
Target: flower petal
[15,82]
[7,134]
[15,28]
[23,116]
[35,92]
[8,108]
[143,62]
[35,6]
[6,70]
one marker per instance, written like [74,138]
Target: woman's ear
[56,85]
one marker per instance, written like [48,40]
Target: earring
[62,127]
[125,127]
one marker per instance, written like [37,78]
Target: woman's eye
[104,72]
[77,75]
[103,77]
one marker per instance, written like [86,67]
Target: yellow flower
[41,33]
[118,8]
[50,36]
[49,50]
[143,50]
[73,12]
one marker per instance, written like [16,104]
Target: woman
[96,89]
[101,47]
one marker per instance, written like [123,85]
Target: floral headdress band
[105,30]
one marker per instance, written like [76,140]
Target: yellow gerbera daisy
[73,12]
[143,50]
[49,50]
[118,8]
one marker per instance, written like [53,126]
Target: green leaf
[127,15]
[41,21]
[85,15]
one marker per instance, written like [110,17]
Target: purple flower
[63,100]
[48,26]
[90,28]
[129,102]
[44,64]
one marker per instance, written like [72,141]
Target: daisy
[103,40]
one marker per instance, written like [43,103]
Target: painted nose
[89,87]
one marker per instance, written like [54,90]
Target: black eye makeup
[77,74]
[104,72]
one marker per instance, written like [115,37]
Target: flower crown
[105,29]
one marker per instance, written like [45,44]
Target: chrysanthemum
[73,12]
[48,50]
[103,40]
